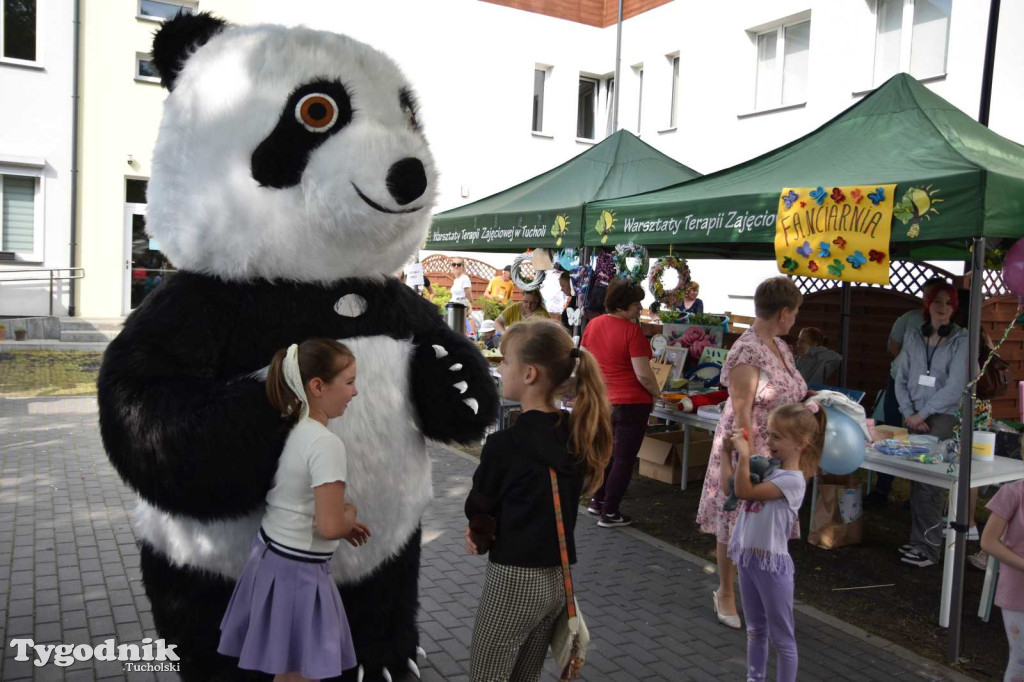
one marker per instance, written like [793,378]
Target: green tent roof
[523,216]
[900,133]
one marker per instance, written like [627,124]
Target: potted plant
[19,333]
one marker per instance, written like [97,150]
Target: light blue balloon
[844,444]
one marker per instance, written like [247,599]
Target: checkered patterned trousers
[514,623]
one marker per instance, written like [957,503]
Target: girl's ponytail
[810,460]
[280,396]
[590,425]
[806,422]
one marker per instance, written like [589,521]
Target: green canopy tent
[527,215]
[962,179]
[959,184]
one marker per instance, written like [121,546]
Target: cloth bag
[836,518]
[571,637]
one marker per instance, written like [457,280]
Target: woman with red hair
[931,374]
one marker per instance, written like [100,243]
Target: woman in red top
[624,356]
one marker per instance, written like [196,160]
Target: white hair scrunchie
[293,378]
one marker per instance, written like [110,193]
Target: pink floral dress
[779,383]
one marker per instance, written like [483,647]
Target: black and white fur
[282,232]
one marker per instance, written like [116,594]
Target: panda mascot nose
[407,180]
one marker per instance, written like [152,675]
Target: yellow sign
[839,233]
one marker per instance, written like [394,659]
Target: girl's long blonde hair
[799,422]
[547,345]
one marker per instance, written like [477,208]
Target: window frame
[638,69]
[778,77]
[907,43]
[36,63]
[193,4]
[595,109]
[543,97]
[673,105]
[141,57]
[34,171]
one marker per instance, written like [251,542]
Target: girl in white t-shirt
[285,617]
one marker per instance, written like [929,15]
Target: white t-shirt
[312,456]
[459,288]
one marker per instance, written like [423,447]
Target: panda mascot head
[290,179]
[311,151]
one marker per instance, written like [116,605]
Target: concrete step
[87,335]
[85,323]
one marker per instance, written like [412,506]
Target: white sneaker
[979,560]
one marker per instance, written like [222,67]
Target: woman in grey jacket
[931,374]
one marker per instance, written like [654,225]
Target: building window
[145,69]
[158,10]
[18,215]
[927,24]
[586,109]
[674,103]
[18,38]
[540,77]
[782,57]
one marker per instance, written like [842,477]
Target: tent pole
[844,335]
[990,60]
[618,83]
[963,485]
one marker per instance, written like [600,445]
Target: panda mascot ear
[178,38]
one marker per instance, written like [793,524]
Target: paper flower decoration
[837,195]
[876,256]
[789,265]
[856,260]
[878,196]
[805,250]
[840,242]
[812,265]
[825,250]
[836,268]
[819,195]
[788,199]
[856,195]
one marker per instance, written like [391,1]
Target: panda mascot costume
[290,179]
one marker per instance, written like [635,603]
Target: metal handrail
[51,277]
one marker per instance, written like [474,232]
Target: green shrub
[490,307]
[441,297]
[705,319]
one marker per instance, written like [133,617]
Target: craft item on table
[840,242]
[659,343]
[692,403]
[857,259]
[695,338]
[760,468]
[559,228]
[819,195]
[709,373]
[605,224]
[623,252]
[669,297]
[898,448]
[517,274]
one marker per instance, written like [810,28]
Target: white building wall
[35,124]
[472,66]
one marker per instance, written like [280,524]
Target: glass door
[145,266]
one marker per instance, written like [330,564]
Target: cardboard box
[885,432]
[661,455]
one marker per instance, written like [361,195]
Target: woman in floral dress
[760,374]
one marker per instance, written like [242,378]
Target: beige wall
[118,117]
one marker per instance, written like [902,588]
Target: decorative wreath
[630,250]
[517,275]
[670,298]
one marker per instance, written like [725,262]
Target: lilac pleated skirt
[286,616]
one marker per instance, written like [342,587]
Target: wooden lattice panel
[994,285]
[905,277]
[439,269]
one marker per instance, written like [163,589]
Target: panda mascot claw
[290,178]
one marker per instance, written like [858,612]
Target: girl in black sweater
[511,506]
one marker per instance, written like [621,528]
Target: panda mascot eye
[316,112]
[408,105]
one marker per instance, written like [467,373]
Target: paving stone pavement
[69,573]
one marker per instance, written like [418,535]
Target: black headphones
[945,330]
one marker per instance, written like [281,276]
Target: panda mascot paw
[290,178]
